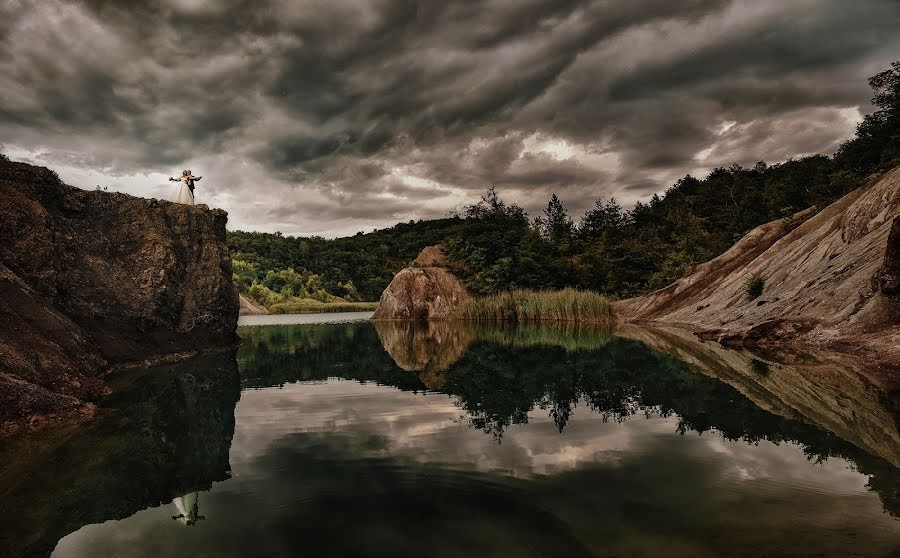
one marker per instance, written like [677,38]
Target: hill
[828,278]
[494,246]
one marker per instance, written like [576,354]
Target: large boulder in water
[90,279]
[422,293]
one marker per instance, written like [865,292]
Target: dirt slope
[828,280]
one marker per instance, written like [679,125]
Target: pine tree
[556,226]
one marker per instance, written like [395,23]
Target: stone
[422,293]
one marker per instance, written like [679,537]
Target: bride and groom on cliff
[185,193]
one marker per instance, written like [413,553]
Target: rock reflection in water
[165,432]
[835,391]
[427,348]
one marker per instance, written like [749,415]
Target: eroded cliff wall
[828,279]
[90,279]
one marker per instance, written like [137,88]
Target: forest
[495,246]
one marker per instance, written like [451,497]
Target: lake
[353,438]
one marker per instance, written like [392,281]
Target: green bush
[754,285]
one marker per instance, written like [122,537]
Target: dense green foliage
[522,305]
[494,246]
[354,268]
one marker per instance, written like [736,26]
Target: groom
[189,178]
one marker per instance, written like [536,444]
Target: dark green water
[410,440]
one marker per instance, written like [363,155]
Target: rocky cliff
[92,279]
[424,291]
[829,278]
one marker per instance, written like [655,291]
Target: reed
[566,305]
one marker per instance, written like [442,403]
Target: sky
[328,117]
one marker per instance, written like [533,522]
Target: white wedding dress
[183,195]
[188,507]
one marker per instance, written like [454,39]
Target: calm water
[347,439]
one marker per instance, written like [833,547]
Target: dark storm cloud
[320,112]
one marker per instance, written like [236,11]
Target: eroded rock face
[827,281]
[422,293]
[250,307]
[89,279]
[890,273]
[430,256]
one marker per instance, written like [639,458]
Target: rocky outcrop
[890,273]
[92,279]
[430,256]
[821,274]
[250,307]
[422,293]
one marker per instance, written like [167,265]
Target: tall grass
[567,305]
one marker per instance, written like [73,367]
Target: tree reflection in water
[499,374]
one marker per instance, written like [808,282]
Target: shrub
[754,285]
[759,367]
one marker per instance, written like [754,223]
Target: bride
[185,193]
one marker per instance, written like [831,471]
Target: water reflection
[188,507]
[165,432]
[498,375]
[401,439]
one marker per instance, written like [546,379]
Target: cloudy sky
[334,116]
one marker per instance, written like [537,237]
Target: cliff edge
[92,279]
[828,279]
